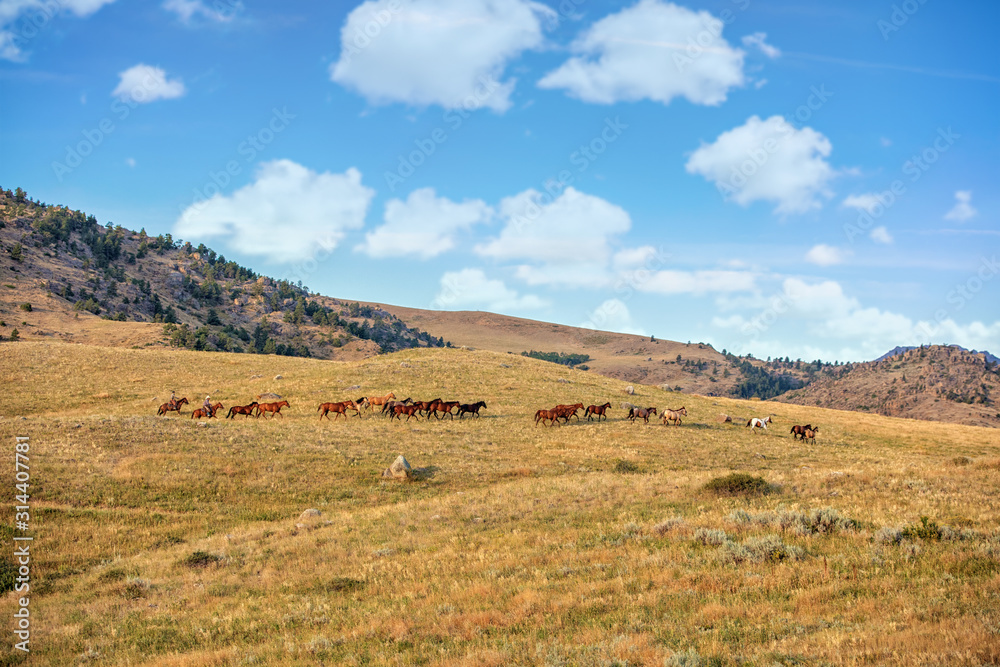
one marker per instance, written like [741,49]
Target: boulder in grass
[308,517]
[269,396]
[400,469]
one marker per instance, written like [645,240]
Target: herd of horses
[387,405]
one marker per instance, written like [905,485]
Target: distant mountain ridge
[898,350]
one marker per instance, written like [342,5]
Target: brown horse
[567,411]
[425,406]
[444,407]
[201,413]
[799,431]
[338,409]
[400,409]
[470,407]
[635,413]
[810,434]
[544,415]
[273,408]
[169,407]
[674,415]
[378,400]
[599,410]
[245,410]
[389,405]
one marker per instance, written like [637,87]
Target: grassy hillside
[65,276]
[160,541]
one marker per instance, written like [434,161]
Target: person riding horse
[207,406]
[173,400]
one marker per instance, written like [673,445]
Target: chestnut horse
[338,409]
[674,415]
[799,431]
[599,410]
[810,434]
[168,407]
[273,408]
[200,412]
[543,415]
[444,407]
[245,410]
[470,407]
[401,409]
[567,411]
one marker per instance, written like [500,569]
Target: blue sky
[811,180]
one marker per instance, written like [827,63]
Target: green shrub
[626,467]
[201,559]
[740,484]
[26,307]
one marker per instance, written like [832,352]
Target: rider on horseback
[173,400]
[207,406]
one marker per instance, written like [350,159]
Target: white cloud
[424,225]
[143,84]
[33,15]
[653,50]
[284,215]
[825,255]
[188,9]
[633,258]
[697,282]
[881,235]
[568,239]
[757,40]
[767,160]
[612,315]
[450,53]
[818,320]
[863,202]
[471,289]
[963,209]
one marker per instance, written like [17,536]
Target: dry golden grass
[162,542]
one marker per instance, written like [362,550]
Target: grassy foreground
[163,542]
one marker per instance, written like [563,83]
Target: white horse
[759,423]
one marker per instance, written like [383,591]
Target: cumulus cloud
[767,160]
[825,255]
[757,40]
[963,209]
[20,21]
[612,315]
[471,289]
[567,240]
[653,50]
[143,84]
[832,324]
[424,225]
[284,215]
[863,202]
[187,10]
[450,53]
[881,235]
